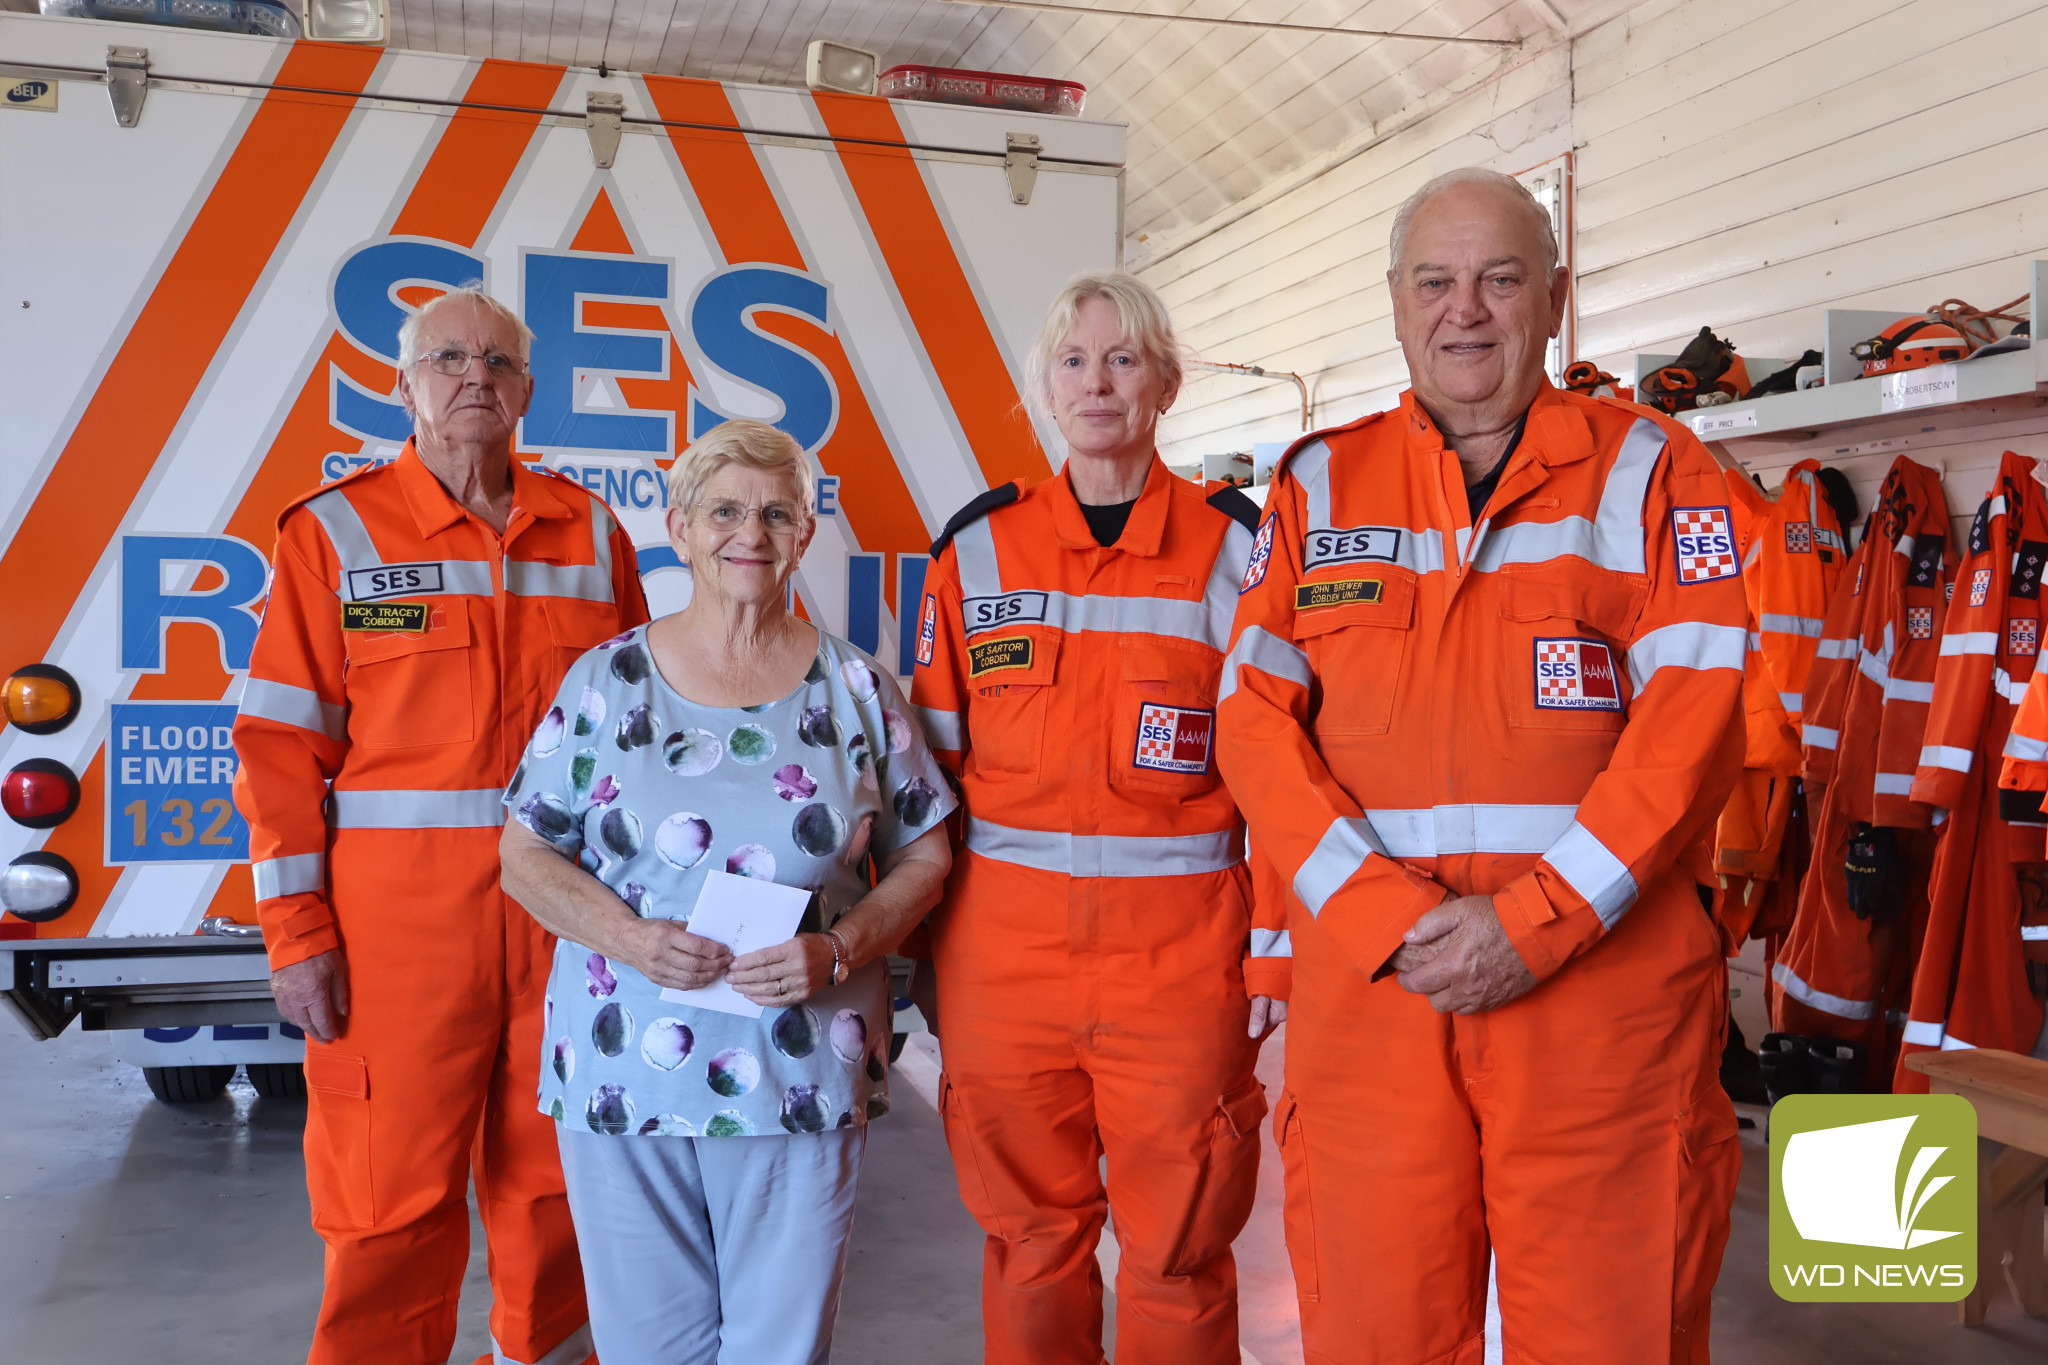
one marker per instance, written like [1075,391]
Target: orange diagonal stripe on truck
[459,188]
[748,224]
[933,283]
[173,341]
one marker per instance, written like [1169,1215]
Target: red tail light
[987,89]
[39,792]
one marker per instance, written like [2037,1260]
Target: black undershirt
[1477,495]
[1106,522]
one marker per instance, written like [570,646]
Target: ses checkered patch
[1173,739]
[1705,544]
[1799,537]
[1576,675]
[1980,587]
[1920,623]
[2022,636]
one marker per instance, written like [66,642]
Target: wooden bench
[2010,1095]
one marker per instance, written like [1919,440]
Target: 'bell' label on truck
[170,776]
[384,616]
[392,580]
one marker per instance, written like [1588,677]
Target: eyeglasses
[455,363]
[724,514]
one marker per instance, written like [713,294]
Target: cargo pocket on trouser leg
[1298,1209]
[338,1175]
[1226,1183]
[1709,1163]
[967,1159]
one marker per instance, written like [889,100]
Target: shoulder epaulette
[999,496]
[1232,503]
[302,499]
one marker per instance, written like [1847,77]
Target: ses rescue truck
[208,246]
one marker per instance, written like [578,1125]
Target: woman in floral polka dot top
[711,1158]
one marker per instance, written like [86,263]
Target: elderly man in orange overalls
[1481,695]
[421,616]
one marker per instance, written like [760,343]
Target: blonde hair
[1140,312]
[473,293]
[741,441]
[1397,240]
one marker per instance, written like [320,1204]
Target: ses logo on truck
[1576,675]
[1873,1198]
[1174,739]
[1705,538]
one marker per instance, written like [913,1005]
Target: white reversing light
[348,21]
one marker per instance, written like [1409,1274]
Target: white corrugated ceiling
[1214,113]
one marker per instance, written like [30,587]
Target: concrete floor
[131,1230]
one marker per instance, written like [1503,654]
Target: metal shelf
[1847,398]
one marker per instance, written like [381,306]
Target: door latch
[1020,163]
[127,82]
[603,118]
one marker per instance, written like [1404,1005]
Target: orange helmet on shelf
[1583,376]
[1706,365]
[1910,344]
[1671,389]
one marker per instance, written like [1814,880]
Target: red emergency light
[38,886]
[985,89]
[40,793]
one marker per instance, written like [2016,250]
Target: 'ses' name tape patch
[392,580]
[384,616]
[998,656]
[1336,594]
[1705,541]
[1576,675]
[1349,544]
[1174,739]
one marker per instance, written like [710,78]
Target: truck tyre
[278,1080]
[187,1084]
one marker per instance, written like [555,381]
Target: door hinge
[127,82]
[1020,163]
[603,118]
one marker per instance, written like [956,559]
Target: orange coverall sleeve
[938,689]
[2026,748]
[1962,676]
[1909,688]
[1834,663]
[290,737]
[1320,844]
[1269,960]
[1675,760]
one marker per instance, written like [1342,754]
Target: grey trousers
[712,1251]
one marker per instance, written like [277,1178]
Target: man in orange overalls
[421,616]
[1098,940]
[1480,699]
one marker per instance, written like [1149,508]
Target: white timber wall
[1739,164]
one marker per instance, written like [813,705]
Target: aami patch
[1308,596]
[1174,739]
[928,629]
[1262,555]
[1799,537]
[1920,623]
[1705,542]
[2022,636]
[409,617]
[1576,675]
[998,656]
[1980,587]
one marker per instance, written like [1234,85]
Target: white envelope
[745,914]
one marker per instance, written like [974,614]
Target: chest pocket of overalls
[1355,627]
[406,689]
[576,628]
[1162,735]
[1010,674]
[1564,668]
